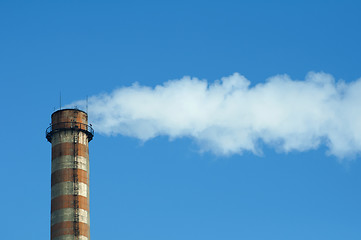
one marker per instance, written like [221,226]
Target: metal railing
[87,129]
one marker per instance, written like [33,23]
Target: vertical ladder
[76,186]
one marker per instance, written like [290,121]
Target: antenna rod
[60,100]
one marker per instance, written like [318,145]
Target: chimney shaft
[69,135]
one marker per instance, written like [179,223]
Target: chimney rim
[68,109]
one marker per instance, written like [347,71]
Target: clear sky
[169,188]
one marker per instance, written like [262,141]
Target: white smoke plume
[230,117]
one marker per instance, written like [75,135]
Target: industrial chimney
[69,135]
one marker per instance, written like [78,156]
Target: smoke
[229,117]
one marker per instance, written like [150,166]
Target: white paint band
[69,237]
[68,214]
[68,136]
[67,161]
[67,188]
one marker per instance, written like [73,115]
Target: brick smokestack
[69,135]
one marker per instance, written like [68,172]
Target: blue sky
[162,189]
